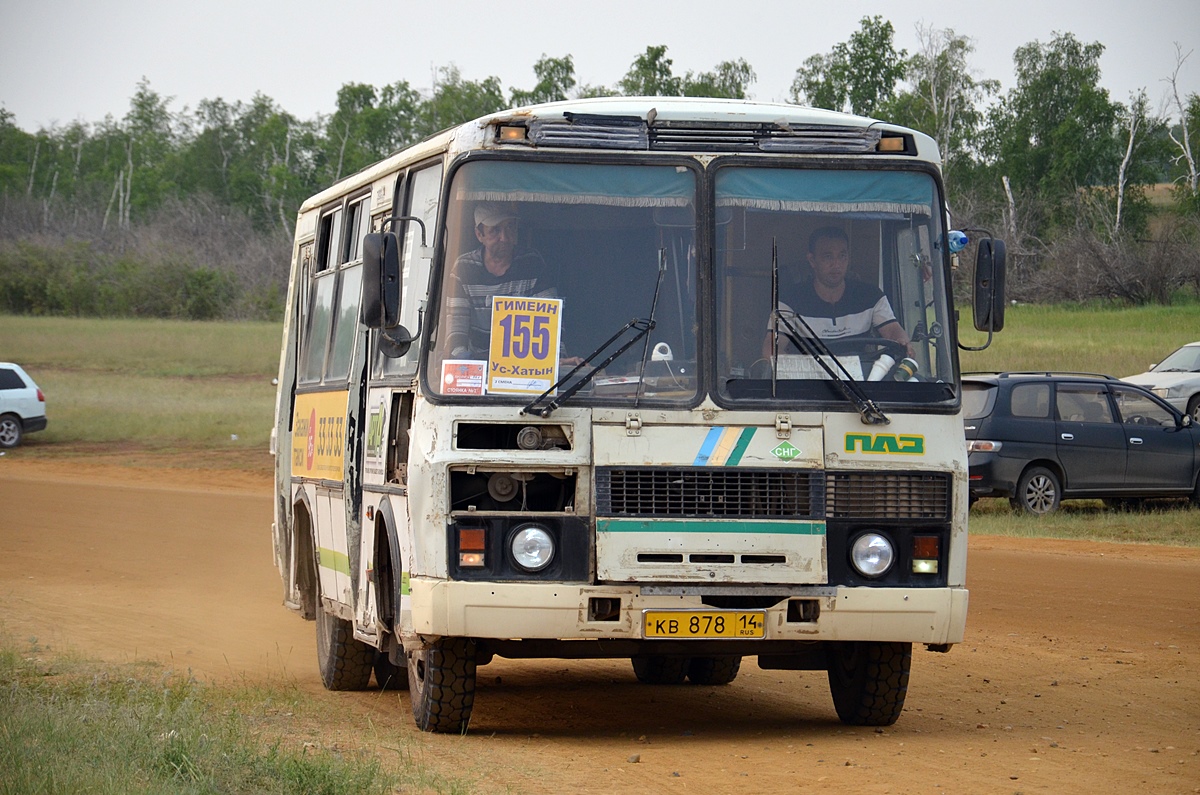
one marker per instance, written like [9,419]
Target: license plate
[703,623]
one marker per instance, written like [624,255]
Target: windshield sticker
[885,444]
[724,447]
[524,345]
[463,377]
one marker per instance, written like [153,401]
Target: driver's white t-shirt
[861,310]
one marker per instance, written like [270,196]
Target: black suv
[1040,438]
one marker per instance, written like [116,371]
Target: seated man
[497,267]
[833,306]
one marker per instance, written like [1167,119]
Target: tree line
[189,212]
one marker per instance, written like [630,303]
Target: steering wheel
[868,347]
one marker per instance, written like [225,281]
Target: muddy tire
[441,685]
[345,662]
[713,670]
[657,669]
[869,681]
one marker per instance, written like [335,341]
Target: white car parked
[1176,379]
[22,405]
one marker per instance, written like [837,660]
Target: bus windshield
[849,257]
[545,262]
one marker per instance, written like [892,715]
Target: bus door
[389,408]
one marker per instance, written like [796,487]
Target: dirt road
[1078,674]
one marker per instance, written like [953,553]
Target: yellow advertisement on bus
[319,435]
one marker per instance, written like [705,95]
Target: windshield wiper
[643,326]
[662,269]
[813,346]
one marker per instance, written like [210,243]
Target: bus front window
[824,275]
[545,262]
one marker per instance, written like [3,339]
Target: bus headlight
[872,554]
[532,547]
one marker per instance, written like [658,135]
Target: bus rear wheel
[868,681]
[713,670]
[388,675]
[441,685]
[345,662]
[659,669]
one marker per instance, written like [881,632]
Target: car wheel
[10,431]
[1193,408]
[1038,492]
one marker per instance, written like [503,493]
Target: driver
[833,306]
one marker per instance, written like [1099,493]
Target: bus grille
[703,492]
[887,495]
[742,493]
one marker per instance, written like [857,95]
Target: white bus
[553,384]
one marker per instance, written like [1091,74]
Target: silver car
[1176,379]
[22,405]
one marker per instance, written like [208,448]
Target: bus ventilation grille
[887,495]
[580,131]
[703,492]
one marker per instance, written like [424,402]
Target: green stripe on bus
[332,559]
[742,443]
[709,526]
[405,587]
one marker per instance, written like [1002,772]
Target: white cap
[492,213]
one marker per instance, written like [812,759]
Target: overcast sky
[63,60]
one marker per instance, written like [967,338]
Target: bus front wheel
[868,681]
[441,685]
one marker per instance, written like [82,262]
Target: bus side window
[333,307]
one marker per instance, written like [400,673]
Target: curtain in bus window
[615,186]
[320,322]
[346,330]
[805,190]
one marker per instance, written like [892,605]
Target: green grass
[68,725]
[1085,338]
[148,384]
[1166,522]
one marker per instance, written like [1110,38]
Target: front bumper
[560,611]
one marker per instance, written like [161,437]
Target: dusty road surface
[1080,672]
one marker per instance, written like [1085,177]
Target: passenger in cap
[497,267]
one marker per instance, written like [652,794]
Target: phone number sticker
[524,347]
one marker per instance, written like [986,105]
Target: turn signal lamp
[472,542]
[892,144]
[925,553]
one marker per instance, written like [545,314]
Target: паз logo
[885,444]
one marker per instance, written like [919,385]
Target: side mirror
[987,295]
[382,287]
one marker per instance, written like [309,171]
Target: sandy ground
[1078,674]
